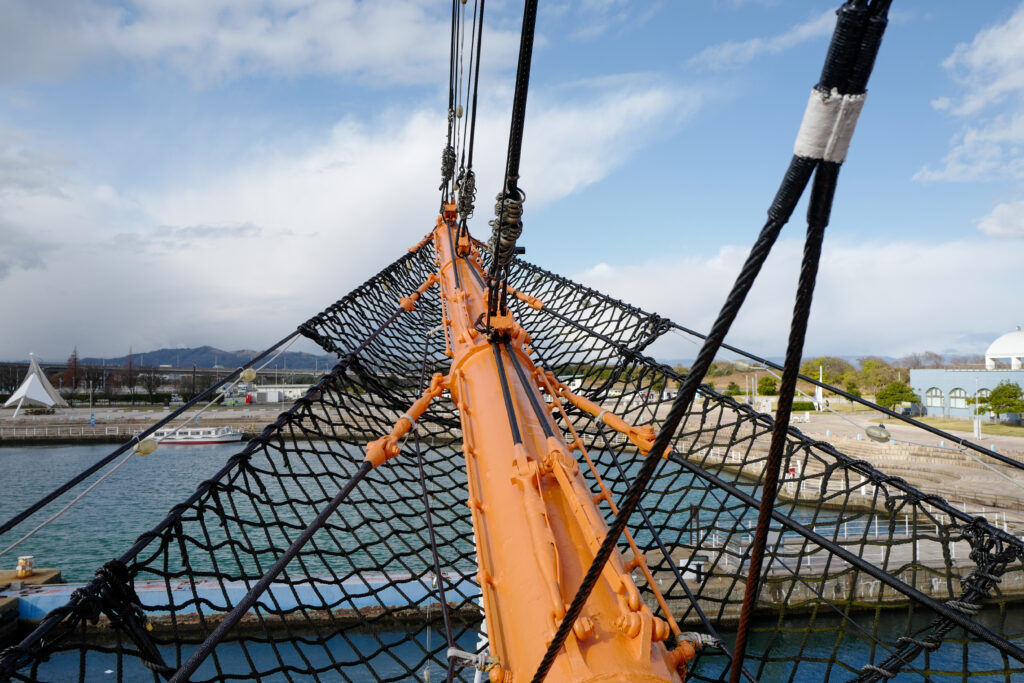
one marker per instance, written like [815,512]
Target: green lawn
[987,428]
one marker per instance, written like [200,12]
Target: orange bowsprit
[536,524]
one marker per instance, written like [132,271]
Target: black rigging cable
[467,186]
[428,515]
[507,225]
[847,51]
[448,153]
[843,48]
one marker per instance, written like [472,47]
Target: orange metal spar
[536,524]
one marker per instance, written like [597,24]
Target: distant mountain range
[210,357]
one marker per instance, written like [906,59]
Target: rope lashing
[447,165]
[506,227]
[467,195]
[828,125]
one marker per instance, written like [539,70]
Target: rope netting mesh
[864,576]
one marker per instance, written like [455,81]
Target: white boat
[193,436]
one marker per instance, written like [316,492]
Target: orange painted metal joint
[680,658]
[642,436]
[386,447]
[408,303]
[464,246]
[419,245]
[449,212]
[503,324]
[531,301]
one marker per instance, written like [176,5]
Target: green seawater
[107,521]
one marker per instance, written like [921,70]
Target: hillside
[210,356]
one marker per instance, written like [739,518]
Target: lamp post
[977,411]
[750,382]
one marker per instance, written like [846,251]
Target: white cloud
[880,298]
[989,150]
[990,73]
[236,257]
[1005,220]
[379,42]
[48,39]
[991,67]
[732,54]
[990,143]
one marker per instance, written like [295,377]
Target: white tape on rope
[828,125]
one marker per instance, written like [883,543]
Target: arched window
[933,398]
[958,398]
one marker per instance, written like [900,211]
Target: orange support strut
[536,525]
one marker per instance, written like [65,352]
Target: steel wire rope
[429,516]
[859,466]
[476,85]
[820,592]
[448,153]
[895,482]
[657,538]
[460,45]
[845,44]
[666,554]
[507,225]
[793,184]
[467,186]
[249,600]
[463,91]
[858,562]
[820,205]
[850,46]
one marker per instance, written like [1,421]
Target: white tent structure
[35,390]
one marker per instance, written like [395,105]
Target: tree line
[130,383]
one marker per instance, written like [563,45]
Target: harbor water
[137,496]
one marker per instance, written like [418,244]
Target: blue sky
[175,173]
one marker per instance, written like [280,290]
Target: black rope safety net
[297,561]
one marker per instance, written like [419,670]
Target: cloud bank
[242,254]
[734,54]
[875,298]
[382,42]
[990,143]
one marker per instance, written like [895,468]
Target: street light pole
[977,411]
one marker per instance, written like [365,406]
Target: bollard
[26,563]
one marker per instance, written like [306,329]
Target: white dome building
[1010,345]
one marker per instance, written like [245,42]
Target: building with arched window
[958,398]
[951,392]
